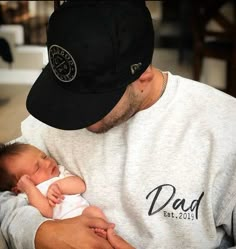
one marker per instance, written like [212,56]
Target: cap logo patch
[62,63]
[135,67]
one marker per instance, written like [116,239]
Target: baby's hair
[7,181]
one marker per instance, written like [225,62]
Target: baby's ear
[15,190]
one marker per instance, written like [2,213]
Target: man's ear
[147,75]
[144,80]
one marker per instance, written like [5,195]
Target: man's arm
[24,227]
[77,233]
[3,244]
[19,221]
[72,233]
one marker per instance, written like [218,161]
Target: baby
[50,188]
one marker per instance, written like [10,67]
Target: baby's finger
[54,199]
[51,203]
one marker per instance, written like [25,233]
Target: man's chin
[99,128]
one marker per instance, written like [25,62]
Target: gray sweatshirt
[166,177]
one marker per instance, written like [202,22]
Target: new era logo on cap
[135,67]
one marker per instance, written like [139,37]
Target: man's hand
[116,241]
[72,233]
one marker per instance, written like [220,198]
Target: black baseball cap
[96,49]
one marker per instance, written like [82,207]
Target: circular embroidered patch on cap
[62,63]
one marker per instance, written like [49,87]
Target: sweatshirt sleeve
[19,221]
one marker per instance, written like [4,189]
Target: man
[157,152]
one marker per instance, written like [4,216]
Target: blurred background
[195,40]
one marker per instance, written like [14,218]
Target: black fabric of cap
[96,49]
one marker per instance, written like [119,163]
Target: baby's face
[35,163]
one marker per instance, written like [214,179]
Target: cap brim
[68,110]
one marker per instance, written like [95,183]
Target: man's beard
[112,120]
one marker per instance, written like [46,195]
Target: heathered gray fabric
[166,178]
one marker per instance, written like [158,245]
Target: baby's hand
[24,184]
[54,194]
